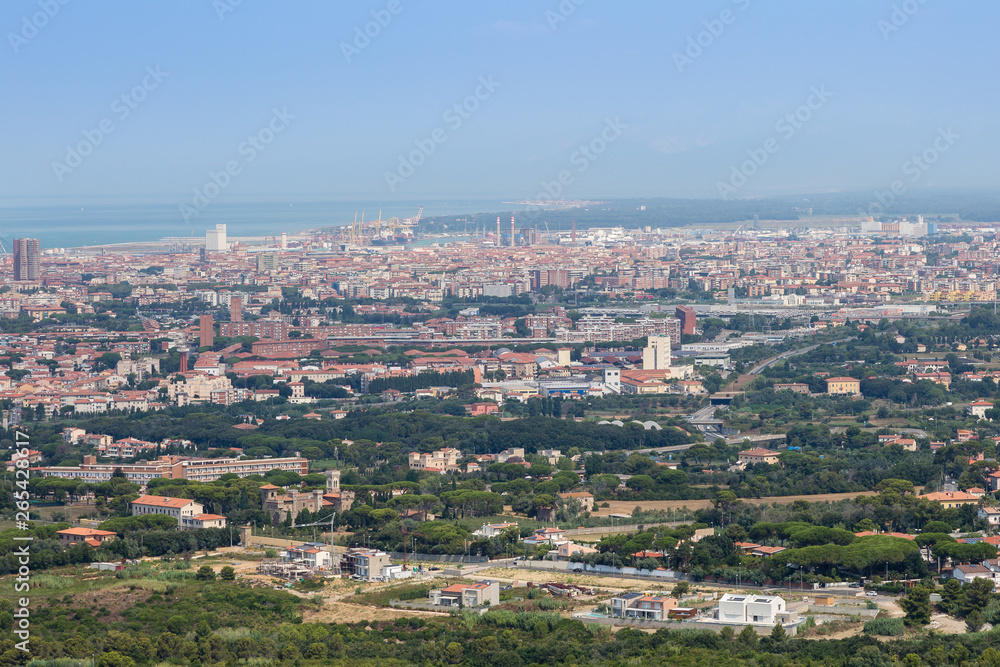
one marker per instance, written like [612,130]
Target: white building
[741,608]
[200,521]
[656,354]
[978,408]
[493,529]
[215,239]
[179,508]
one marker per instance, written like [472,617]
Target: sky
[246,100]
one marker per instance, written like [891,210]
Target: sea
[74,226]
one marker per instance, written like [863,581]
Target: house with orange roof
[952,499]
[92,536]
[179,508]
[758,455]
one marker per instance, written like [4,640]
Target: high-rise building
[235,309]
[656,354]
[27,258]
[267,261]
[206,331]
[687,317]
[215,239]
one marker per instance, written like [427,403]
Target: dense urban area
[454,441]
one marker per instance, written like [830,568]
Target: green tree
[114,659]
[205,573]
[778,633]
[975,596]
[917,606]
[974,621]
[227,573]
[748,637]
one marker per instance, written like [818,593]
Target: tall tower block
[206,331]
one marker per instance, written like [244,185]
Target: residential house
[493,529]
[585,499]
[479,594]
[545,536]
[978,408]
[366,564]
[179,508]
[310,556]
[967,573]
[567,550]
[843,386]
[641,606]
[991,515]
[95,538]
[200,521]
[950,499]
[745,608]
[758,455]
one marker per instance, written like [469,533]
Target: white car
[871,594]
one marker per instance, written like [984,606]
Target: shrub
[885,627]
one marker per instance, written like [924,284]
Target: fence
[714,626]
[843,611]
[599,530]
[440,558]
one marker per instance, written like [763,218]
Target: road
[757,370]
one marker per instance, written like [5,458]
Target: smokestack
[512,231]
[498,231]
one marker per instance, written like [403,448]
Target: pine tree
[917,606]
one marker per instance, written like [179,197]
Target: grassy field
[626,506]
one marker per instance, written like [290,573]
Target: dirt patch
[114,600]
[947,624]
[341,612]
[626,506]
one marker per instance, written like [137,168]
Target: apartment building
[366,564]
[173,467]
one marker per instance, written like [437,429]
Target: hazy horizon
[670,98]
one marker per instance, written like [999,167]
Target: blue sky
[559,76]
